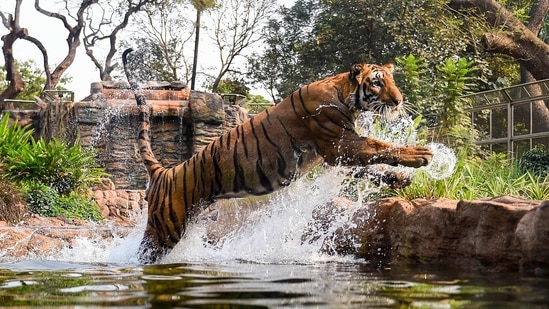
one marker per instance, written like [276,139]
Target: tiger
[267,152]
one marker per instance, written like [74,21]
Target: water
[237,284]
[262,263]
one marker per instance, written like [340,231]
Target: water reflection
[251,285]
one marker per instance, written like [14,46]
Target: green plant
[435,91]
[47,202]
[54,176]
[535,161]
[12,137]
[54,163]
[475,178]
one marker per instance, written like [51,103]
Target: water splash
[273,233]
[402,132]
[443,164]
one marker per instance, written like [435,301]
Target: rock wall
[182,122]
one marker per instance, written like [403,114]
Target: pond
[240,284]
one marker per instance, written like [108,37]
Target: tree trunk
[196,40]
[512,37]
[12,75]
[540,112]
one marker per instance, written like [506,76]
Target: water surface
[239,284]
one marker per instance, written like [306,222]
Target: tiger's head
[376,90]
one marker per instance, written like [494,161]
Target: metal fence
[512,120]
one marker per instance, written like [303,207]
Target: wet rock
[490,235]
[500,234]
[532,236]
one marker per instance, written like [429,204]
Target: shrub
[54,163]
[475,178]
[53,175]
[535,161]
[47,202]
[12,137]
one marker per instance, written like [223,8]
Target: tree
[75,17]
[32,76]
[200,6]
[236,27]
[16,83]
[279,68]
[507,33]
[161,35]
[53,77]
[234,86]
[104,24]
[325,37]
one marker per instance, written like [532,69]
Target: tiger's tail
[143,140]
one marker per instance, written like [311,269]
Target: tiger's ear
[390,67]
[356,69]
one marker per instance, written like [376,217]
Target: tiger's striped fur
[314,124]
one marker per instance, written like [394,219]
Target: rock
[500,234]
[488,235]
[532,236]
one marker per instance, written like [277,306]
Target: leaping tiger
[314,124]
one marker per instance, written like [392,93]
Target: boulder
[498,234]
[488,235]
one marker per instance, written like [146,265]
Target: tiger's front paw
[414,156]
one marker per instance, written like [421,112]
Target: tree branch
[538,11]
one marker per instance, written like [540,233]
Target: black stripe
[238,181]
[257,142]
[243,140]
[195,195]
[168,190]
[185,180]
[228,136]
[203,175]
[293,102]
[218,174]
[281,162]
[303,102]
[266,134]
[265,181]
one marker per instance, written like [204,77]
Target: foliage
[61,172]
[160,36]
[438,94]
[12,137]
[47,202]
[236,86]
[316,38]
[64,168]
[476,178]
[535,161]
[33,77]
[156,68]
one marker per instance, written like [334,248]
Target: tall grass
[475,178]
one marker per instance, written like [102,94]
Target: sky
[82,71]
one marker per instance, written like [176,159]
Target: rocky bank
[494,235]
